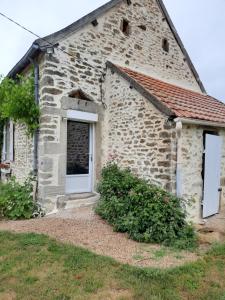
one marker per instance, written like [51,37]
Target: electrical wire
[46,41]
[102,78]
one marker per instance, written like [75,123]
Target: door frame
[91,119]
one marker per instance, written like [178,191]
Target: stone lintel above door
[80,105]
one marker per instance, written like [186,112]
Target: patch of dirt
[113,294]
[8,296]
[82,227]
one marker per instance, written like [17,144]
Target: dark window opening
[165,45]
[125,27]
[95,23]
[143,27]
[79,94]
[78,148]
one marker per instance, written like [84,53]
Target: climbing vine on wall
[17,103]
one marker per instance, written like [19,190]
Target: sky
[200,24]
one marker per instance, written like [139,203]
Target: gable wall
[141,49]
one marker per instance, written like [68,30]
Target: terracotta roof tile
[182,102]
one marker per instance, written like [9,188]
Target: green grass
[37,267]
[158,254]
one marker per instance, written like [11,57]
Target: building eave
[189,121]
[32,52]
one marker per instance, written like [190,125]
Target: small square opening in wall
[125,27]
[94,22]
[143,27]
[165,45]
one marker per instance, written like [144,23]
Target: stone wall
[138,136]
[22,165]
[190,151]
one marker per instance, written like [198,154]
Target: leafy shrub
[16,200]
[146,212]
[17,102]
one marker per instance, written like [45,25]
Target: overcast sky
[200,23]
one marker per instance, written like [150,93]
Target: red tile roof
[182,102]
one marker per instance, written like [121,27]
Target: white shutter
[11,147]
[213,154]
[4,144]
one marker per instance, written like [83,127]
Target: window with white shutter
[8,142]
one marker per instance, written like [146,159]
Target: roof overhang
[33,51]
[199,122]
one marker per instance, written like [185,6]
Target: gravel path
[83,228]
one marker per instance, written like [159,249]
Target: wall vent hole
[165,45]
[143,27]
[94,22]
[125,27]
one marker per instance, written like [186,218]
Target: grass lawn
[37,267]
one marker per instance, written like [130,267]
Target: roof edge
[157,103]
[25,60]
[199,122]
[43,42]
[80,22]
[180,43]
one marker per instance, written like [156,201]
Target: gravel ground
[82,227]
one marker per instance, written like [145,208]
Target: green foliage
[146,212]
[16,200]
[17,102]
[1,136]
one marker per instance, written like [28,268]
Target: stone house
[118,84]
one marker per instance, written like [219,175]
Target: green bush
[146,212]
[16,200]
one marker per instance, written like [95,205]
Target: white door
[79,157]
[211,195]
